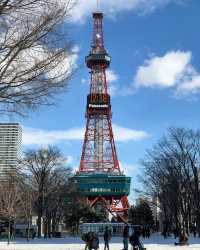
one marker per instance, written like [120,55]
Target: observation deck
[105,185]
[98,57]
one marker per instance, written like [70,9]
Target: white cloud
[66,66]
[70,159]
[85,81]
[128,169]
[112,77]
[163,71]
[172,70]
[126,134]
[75,49]
[191,85]
[113,89]
[33,136]
[112,7]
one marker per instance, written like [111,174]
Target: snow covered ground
[156,242]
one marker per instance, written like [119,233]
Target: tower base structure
[118,208]
[110,190]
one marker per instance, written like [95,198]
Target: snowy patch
[156,242]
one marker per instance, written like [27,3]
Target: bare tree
[36,56]
[171,171]
[27,201]
[56,201]
[10,200]
[47,176]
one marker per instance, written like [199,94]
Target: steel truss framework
[99,152]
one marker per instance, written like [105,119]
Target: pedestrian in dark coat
[194,231]
[175,232]
[95,242]
[87,237]
[126,237]
[148,233]
[134,240]
[107,237]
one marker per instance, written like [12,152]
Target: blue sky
[154,79]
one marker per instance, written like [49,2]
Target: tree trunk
[49,226]
[45,228]
[53,227]
[28,230]
[9,231]
[39,224]
[198,222]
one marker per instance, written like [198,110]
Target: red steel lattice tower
[99,153]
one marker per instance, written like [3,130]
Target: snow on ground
[156,242]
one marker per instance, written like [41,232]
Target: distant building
[10,146]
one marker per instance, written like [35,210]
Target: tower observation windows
[104,185]
[98,59]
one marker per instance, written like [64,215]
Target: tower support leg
[117,207]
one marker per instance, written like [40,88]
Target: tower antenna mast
[98,4]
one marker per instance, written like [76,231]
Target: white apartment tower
[10,146]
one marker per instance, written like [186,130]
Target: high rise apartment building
[10,146]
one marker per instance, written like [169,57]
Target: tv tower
[100,177]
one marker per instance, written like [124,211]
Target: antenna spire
[98,4]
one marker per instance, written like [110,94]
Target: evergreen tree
[141,214]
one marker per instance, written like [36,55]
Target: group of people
[92,241]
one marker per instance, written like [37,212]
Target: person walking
[94,243]
[134,240]
[175,232]
[165,233]
[86,237]
[126,237]
[148,232]
[107,237]
[194,229]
